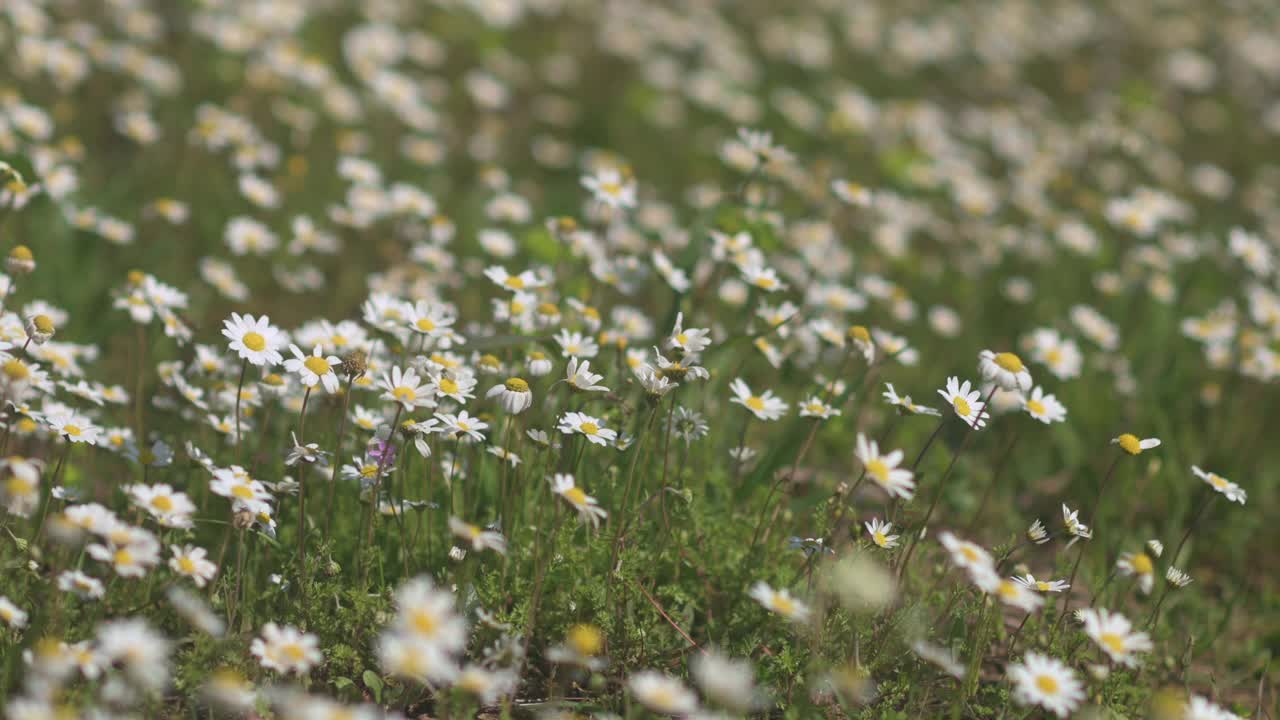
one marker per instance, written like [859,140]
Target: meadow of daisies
[621,359]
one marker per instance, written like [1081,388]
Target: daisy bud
[40,328]
[355,363]
[242,519]
[20,260]
[136,278]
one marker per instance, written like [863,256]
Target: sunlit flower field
[626,359]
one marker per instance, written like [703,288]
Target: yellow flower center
[187,564]
[515,283]
[969,553]
[423,622]
[1218,481]
[1042,586]
[21,252]
[1053,357]
[244,492]
[755,402]
[72,430]
[123,557]
[880,539]
[368,470]
[878,470]
[448,386]
[404,393]
[317,365]
[1113,642]
[682,338]
[1142,564]
[425,325]
[576,496]
[517,385]
[589,428]
[293,652]
[16,486]
[43,323]
[15,369]
[1007,589]
[784,605]
[1130,443]
[765,282]
[585,639]
[1047,684]
[1035,407]
[1009,361]
[859,333]
[254,341]
[163,503]
[961,405]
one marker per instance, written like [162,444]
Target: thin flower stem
[244,367]
[337,460]
[302,504]
[942,484]
[1066,598]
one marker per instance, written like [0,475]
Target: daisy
[171,508]
[12,615]
[763,277]
[513,395]
[1114,634]
[878,531]
[1139,565]
[692,340]
[592,428]
[861,340]
[1232,491]
[851,192]
[729,682]
[128,560]
[662,694]
[456,386]
[1176,577]
[314,369]
[780,602]
[1133,445]
[141,650]
[515,283]
[1005,370]
[1045,586]
[883,469]
[235,483]
[1010,592]
[414,659]
[965,402]
[486,685]
[589,511]
[576,345]
[404,387]
[610,188]
[895,347]
[765,407]
[76,428]
[815,407]
[904,403]
[429,320]
[479,538]
[1047,682]
[1071,523]
[1044,408]
[965,554]
[1201,709]
[426,614]
[192,562]
[582,646]
[286,649]
[84,586]
[1037,533]
[580,378]
[462,424]
[254,340]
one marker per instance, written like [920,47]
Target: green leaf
[374,683]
